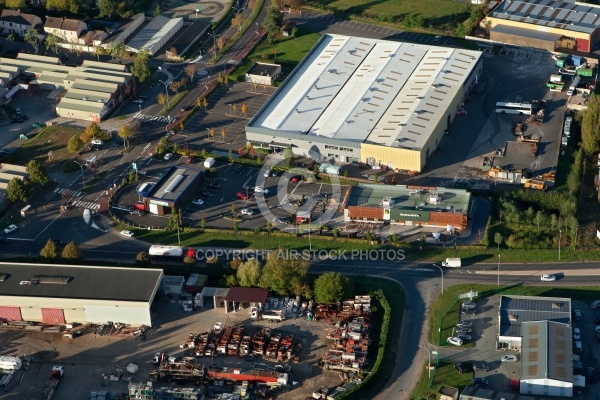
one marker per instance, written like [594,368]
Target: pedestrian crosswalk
[91,205]
[154,118]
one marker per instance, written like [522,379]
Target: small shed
[172,284]
[195,283]
[263,73]
[245,296]
[218,295]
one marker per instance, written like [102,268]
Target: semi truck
[52,382]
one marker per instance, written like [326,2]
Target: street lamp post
[426,348]
[82,176]
[498,270]
[442,272]
[166,91]
[559,240]
[215,43]
[197,13]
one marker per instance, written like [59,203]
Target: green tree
[117,50]
[125,133]
[288,155]
[231,280]
[498,239]
[272,22]
[49,251]
[413,20]
[285,275]
[92,130]
[107,7]
[157,11]
[71,6]
[140,68]
[590,125]
[203,223]
[33,38]
[143,259]
[248,273]
[72,252]
[574,176]
[17,190]
[332,287]
[37,172]
[53,42]
[18,4]
[74,144]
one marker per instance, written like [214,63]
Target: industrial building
[547,359]
[515,311]
[406,205]
[478,393]
[92,90]
[385,103]
[263,73]
[546,24]
[176,188]
[64,294]
[154,35]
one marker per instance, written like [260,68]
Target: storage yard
[187,354]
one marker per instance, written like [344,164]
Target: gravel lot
[87,357]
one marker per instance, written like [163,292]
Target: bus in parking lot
[514,108]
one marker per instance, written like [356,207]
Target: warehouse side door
[8,313]
[53,316]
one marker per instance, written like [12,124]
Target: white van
[209,162]
[452,263]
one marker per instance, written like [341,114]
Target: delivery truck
[452,263]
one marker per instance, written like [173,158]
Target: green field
[446,375]
[52,138]
[286,51]
[441,15]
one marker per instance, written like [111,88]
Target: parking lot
[37,106]
[86,358]
[500,374]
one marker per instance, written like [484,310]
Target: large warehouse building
[381,102]
[546,24]
[62,294]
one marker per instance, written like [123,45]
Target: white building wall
[546,387]
[514,342]
[82,310]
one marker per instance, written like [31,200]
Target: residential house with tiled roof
[12,21]
[67,29]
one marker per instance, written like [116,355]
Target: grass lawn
[448,303]
[438,14]
[290,51]
[52,138]
[192,237]
[446,375]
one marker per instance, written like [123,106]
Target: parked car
[277,221]
[127,233]
[267,173]
[170,133]
[509,359]
[139,101]
[460,368]
[576,334]
[10,228]
[168,156]
[437,39]
[296,178]
[463,336]
[464,330]
[548,278]
[514,384]
[595,304]
[198,202]
[455,341]
[246,211]
[590,373]
[465,323]
[190,160]
[577,315]
[241,196]
[479,366]
[187,108]
[97,142]
[208,194]
[480,381]
[259,189]
[18,111]
[578,345]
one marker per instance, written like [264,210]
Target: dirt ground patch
[52,138]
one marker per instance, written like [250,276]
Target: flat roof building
[376,101]
[514,311]
[154,35]
[406,205]
[176,188]
[546,24]
[92,89]
[60,294]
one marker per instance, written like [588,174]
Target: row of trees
[289,276]
[50,252]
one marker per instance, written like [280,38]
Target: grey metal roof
[473,393]
[567,15]
[365,90]
[86,282]
[516,310]
[546,351]
[263,69]
[173,183]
